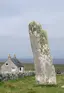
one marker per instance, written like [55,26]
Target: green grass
[28,85]
[59,66]
[30,66]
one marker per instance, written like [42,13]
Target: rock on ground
[62,86]
[45,71]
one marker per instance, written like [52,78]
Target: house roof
[17,62]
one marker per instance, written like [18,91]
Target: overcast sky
[15,16]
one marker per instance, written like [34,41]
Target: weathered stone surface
[45,71]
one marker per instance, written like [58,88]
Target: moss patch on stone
[33,26]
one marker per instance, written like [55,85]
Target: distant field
[30,66]
[28,85]
[59,67]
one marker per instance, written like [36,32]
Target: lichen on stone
[33,26]
[36,27]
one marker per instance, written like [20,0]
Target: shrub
[58,71]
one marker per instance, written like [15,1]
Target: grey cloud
[19,45]
[15,16]
[17,7]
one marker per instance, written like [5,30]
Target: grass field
[59,66]
[30,66]
[28,85]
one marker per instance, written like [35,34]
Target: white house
[12,65]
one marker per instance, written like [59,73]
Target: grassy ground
[28,85]
[59,66]
[30,66]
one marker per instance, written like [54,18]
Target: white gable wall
[9,67]
[21,69]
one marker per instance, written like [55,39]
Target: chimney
[14,55]
[9,56]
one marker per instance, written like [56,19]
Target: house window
[13,69]
[6,63]
[20,68]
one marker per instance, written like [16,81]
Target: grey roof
[17,62]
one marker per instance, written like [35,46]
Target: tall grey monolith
[44,68]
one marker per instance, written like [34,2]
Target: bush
[58,71]
[1,77]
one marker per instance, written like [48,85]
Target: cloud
[12,26]
[18,7]
[15,16]
[18,25]
[18,45]
[9,7]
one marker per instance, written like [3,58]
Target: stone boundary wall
[12,76]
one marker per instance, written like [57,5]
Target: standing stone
[45,71]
